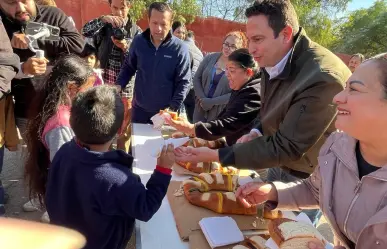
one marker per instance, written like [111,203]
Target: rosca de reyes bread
[290,234]
[206,167]
[272,214]
[254,242]
[196,191]
[222,199]
[215,181]
[197,168]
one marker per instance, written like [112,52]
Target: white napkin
[158,120]
[220,231]
[302,217]
[177,142]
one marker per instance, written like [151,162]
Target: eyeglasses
[229,46]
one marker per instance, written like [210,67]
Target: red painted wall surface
[209,32]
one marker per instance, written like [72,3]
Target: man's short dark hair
[97,115]
[160,7]
[279,12]
[176,25]
[127,1]
[190,34]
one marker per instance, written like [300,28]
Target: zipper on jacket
[351,206]
[354,199]
[357,188]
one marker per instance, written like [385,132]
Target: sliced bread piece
[258,242]
[296,243]
[283,230]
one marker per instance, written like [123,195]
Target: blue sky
[357,4]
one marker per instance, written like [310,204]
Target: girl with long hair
[50,128]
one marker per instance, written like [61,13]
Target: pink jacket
[356,210]
[61,118]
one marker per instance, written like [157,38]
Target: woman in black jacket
[240,114]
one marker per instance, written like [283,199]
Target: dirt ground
[12,177]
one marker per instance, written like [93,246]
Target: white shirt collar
[277,69]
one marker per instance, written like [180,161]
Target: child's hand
[167,157]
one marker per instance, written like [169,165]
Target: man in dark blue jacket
[162,63]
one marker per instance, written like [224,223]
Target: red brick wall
[209,32]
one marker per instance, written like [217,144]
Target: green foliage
[318,19]
[364,31]
[184,10]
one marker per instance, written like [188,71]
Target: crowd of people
[281,101]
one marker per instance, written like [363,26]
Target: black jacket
[237,118]
[70,41]
[102,38]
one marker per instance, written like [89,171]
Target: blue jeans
[2,202]
[277,174]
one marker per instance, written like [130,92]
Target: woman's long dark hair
[52,94]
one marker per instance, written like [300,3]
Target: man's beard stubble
[24,23]
[32,17]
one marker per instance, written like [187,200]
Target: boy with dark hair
[93,190]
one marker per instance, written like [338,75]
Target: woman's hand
[255,193]
[181,125]
[316,244]
[196,155]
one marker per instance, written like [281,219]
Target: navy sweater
[163,74]
[98,195]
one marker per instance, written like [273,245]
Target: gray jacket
[211,107]
[9,62]
[196,56]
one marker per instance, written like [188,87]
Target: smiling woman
[352,168]
[363,102]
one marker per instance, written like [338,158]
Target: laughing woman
[350,182]
[242,109]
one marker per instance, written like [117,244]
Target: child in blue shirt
[93,190]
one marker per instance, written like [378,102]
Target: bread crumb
[254,224]
[178,192]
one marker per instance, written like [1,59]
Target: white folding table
[160,232]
